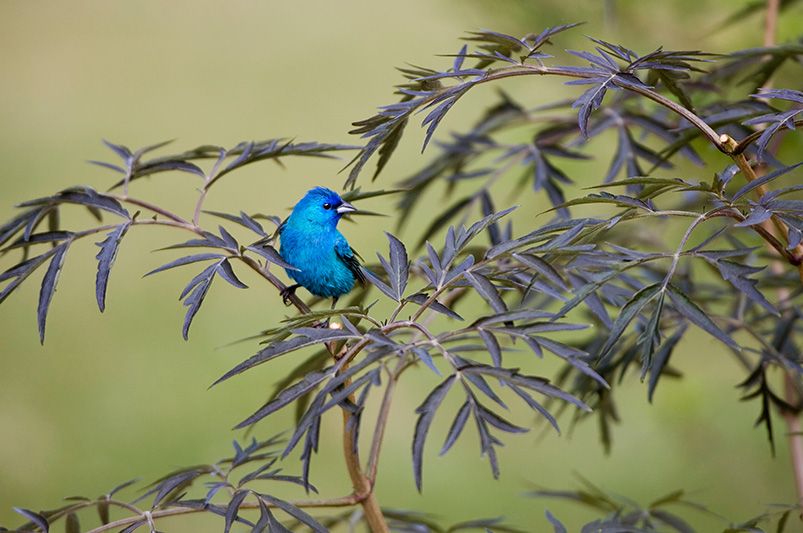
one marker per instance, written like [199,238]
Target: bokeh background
[120,395]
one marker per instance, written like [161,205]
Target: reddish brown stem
[363,486]
[794,432]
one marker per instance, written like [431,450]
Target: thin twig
[276,282]
[150,207]
[382,420]
[361,483]
[345,501]
[208,180]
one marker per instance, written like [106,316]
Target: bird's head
[322,206]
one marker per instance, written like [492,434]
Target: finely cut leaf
[426,412]
[697,316]
[399,266]
[181,261]
[487,290]
[295,512]
[629,311]
[106,257]
[270,254]
[421,298]
[233,507]
[457,427]
[48,289]
[763,180]
[283,347]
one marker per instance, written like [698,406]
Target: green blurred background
[118,396]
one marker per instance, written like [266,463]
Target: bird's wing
[349,257]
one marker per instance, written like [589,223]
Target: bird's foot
[321,324]
[287,293]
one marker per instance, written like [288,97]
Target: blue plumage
[311,242]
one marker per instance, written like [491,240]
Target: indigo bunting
[327,265]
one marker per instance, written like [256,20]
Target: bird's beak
[344,208]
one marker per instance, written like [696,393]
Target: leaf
[478,381]
[383,287]
[49,282]
[421,298]
[510,316]
[109,166]
[661,358]
[10,228]
[283,347]
[457,427]
[650,336]
[103,511]
[170,487]
[160,165]
[37,519]
[19,272]
[426,412]
[106,257]
[181,261]
[738,275]
[542,267]
[122,486]
[442,104]
[287,396]
[233,508]
[244,220]
[315,362]
[133,527]
[85,196]
[267,522]
[556,524]
[399,266]
[591,99]
[487,221]
[672,85]
[226,272]
[72,524]
[295,512]
[671,520]
[52,237]
[497,421]
[122,151]
[487,290]
[694,314]
[493,346]
[763,180]
[228,239]
[194,295]
[425,358]
[629,311]
[490,525]
[270,254]
[195,291]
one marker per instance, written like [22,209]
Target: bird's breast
[321,271]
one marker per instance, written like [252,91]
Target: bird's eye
[327,206]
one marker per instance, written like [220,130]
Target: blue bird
[327,265]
